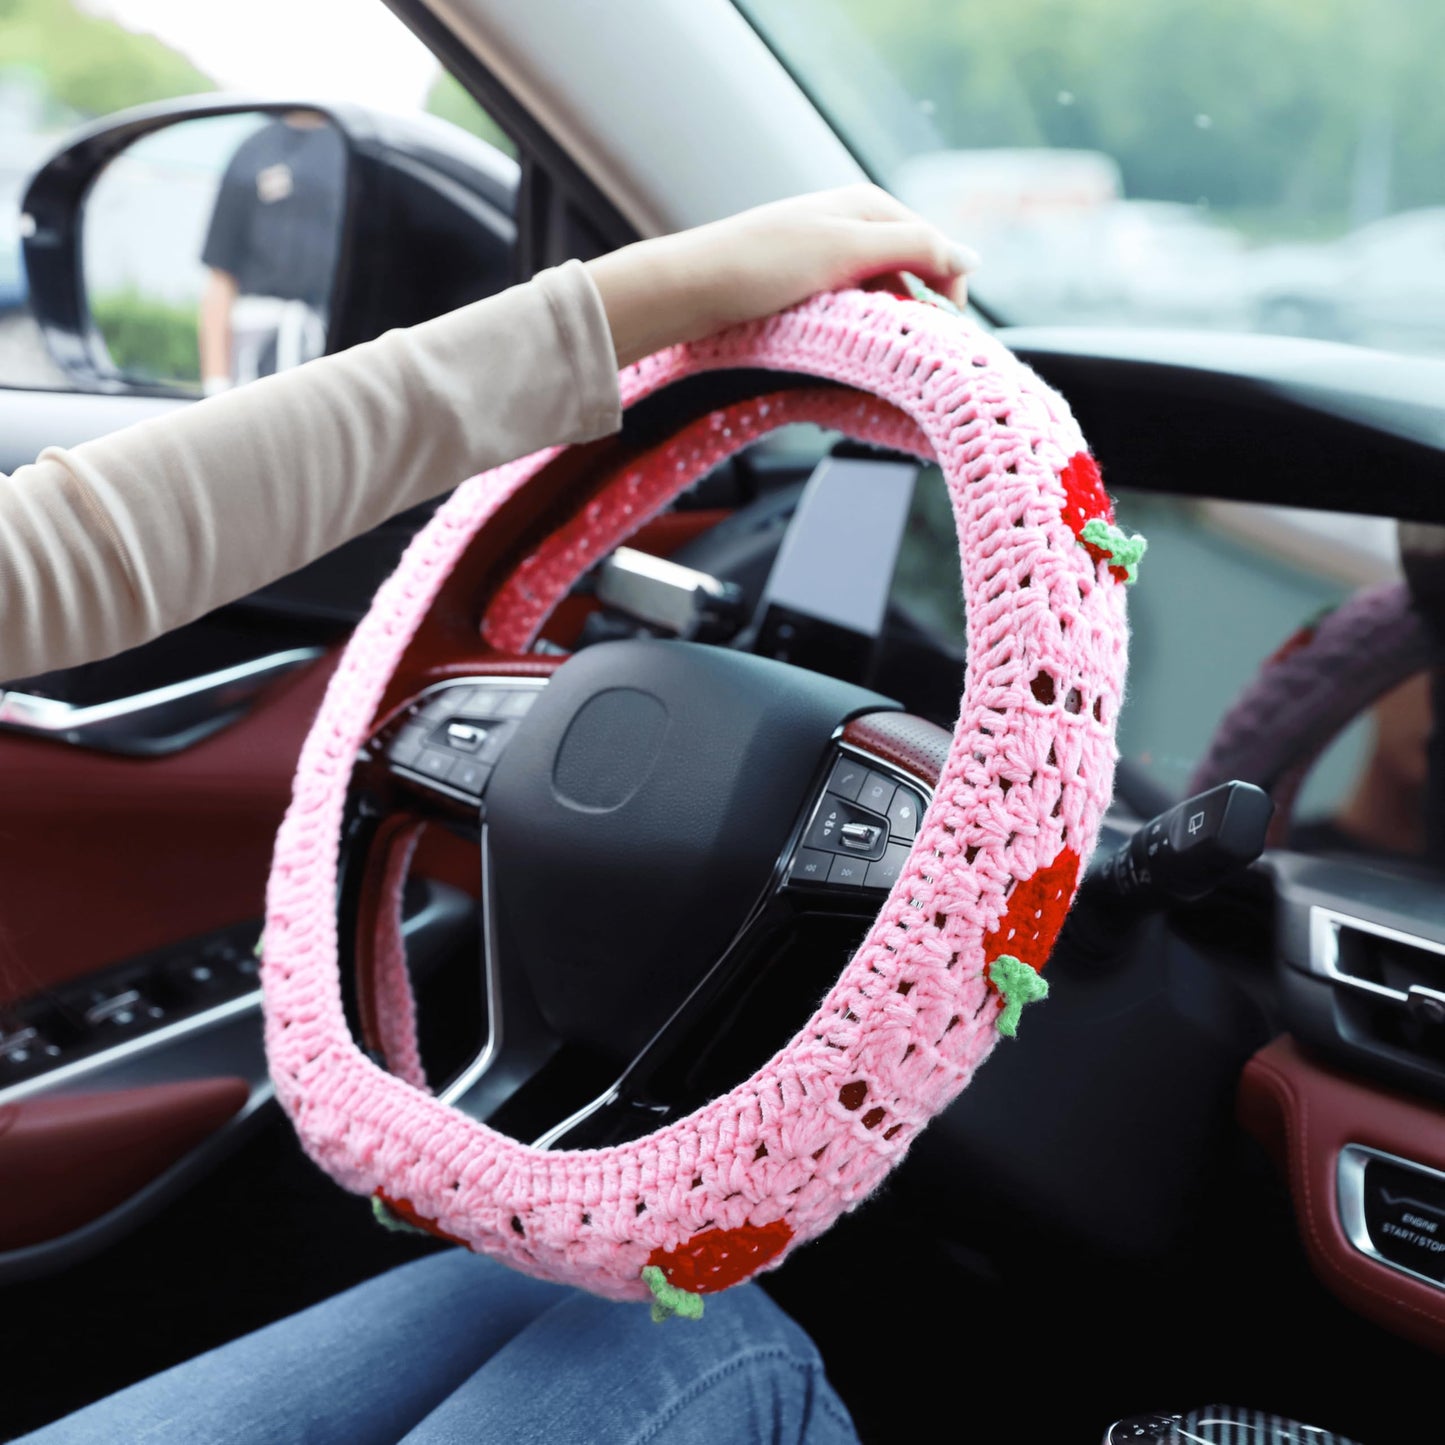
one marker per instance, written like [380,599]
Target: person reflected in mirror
[270,251]
[1385,810]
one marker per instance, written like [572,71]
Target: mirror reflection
[1367,793]
[1253,581]
[210,248]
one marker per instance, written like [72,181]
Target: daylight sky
[327,49]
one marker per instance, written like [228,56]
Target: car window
[64,63]
[1240,582]
[1255,165]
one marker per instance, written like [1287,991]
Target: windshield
[1252,165]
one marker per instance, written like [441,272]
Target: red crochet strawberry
[1035,913]
[400,1214]
[1020,944]
[1090,517]
[713,1260]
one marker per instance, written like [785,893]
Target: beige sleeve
[110,543]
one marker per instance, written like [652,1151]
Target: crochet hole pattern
[749,1176]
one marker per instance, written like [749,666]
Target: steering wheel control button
[515,704]
[848,872]
[463,737]
[470,776]
[447,703]
[496,739]
[847,779]
[876,792]
[406,746]
[884,873]
[903,814]
[810,866]
[434,762]
[860,837]
[834,815]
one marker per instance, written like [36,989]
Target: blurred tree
[87,64]
[1248,105]
[148,339]
[450,101]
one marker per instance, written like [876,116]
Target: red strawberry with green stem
[1018,946]
[1090,517]
[712,1260]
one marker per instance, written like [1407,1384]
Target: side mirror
[185,247]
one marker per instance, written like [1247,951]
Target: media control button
[470,776]
[884,873]
[434,762]
[462,737]
[810,866]
[848,872]
[859,837]
[834,814]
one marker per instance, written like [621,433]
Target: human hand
[685,286]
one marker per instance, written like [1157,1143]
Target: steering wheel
[646,810]
[1312,687]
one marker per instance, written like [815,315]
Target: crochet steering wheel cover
[733,1187]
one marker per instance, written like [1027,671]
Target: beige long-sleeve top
[107,544]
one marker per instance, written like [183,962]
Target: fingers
[885,235]
[909,245]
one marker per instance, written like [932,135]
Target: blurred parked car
[1383,285]
[1062,244]
[1176,266]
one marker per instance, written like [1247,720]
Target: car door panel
[81,1155]
[106,857]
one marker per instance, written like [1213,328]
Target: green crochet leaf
[1124,551]
[668,1300]
[927,294]
[1017,984]
[387,1220]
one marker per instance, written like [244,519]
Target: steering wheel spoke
[828,884]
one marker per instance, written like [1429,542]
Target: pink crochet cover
[733,1187]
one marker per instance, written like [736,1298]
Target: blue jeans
[454,1348]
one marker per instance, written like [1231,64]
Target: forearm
[113,542]
[109,544]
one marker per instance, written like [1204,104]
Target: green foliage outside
[447,99]
[1262,108]
[88,65]
[148,340]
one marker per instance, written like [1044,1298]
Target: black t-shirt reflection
[277,220]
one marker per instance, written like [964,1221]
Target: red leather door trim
[1304,1114]
[104,857]
[67,1159]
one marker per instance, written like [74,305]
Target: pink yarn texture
[775,1161]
